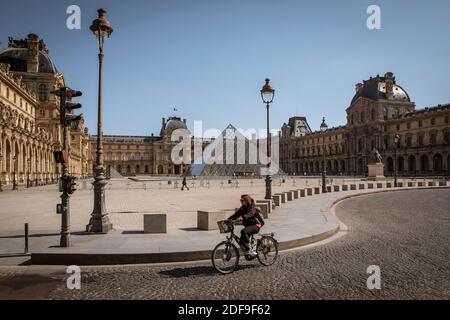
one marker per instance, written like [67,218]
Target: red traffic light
[73,93]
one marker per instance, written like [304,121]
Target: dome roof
[17,58]
[375,89]
[173,123]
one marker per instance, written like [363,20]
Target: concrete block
[269,202]
[329,189]
[316,190]
[345,187]
[442,183]
[389,184]
[411,184]
[362,186]
[295,193]
[289,196]
[379,186]
[336,188]
[370,186]
[264,207]
[207,220]
[399,184]
[420,183]
[276,199]
[155,223]
[302,193]
[353,187]
[432,183]
[282,197]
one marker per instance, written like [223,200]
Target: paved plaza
[127,201]
[405,233]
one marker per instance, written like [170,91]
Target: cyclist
[252,221]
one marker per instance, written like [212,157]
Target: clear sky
[209,58]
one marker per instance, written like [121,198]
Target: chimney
[33,53]
[163,122]
[184,120]
[389,79]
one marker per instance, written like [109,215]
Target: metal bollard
[26,238]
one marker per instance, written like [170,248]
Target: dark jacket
[250,216]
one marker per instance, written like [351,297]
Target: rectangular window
[420,123]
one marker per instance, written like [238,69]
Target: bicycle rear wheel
[225,257]
[267,250]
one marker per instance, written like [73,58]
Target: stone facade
[379,110]
[144,155]
[29,116]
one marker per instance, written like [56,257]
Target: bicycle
[225,256]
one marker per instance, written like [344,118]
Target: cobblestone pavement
[405,233]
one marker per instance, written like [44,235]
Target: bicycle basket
[224,227]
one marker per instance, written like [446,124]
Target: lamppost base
[96,226]
[65,241]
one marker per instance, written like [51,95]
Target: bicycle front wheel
[267,250]
[225,257]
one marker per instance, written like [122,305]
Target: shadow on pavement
[190,229]
[132,232]
[39,235]
[199,271]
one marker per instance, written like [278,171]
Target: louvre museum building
[379,111]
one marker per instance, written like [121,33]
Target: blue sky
[209,58]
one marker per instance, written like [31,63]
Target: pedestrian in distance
[184,184]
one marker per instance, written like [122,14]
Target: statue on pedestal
[376,156]
[376,166]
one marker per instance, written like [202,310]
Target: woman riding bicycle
[251,219]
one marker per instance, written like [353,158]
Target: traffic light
[66,108]
[61,156]
[70,184]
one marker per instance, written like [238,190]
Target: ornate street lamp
[267,95]
[323,128]
[396,140]
[99,221]
[28,172]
